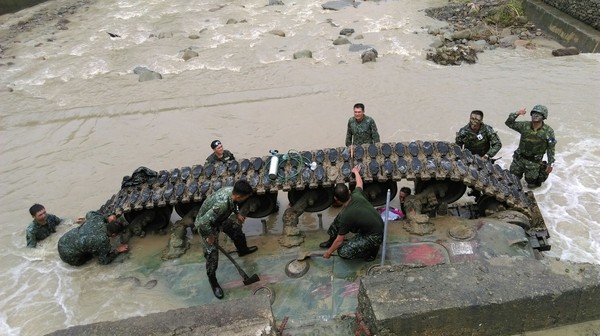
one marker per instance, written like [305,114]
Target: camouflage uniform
[364,131]
[527,159]
[227,157]
[360,218]
[37,232]
[484,142]
[213,217]
[89,239]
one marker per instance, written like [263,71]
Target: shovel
[247,279]
[309,254]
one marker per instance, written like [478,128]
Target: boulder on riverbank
[476,26]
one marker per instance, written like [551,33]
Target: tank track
[383,162]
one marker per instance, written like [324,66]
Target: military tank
[442,168]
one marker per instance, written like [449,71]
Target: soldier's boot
[327,244]
[372,254]
[242,246]
[216,288]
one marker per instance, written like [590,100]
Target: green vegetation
[508,13]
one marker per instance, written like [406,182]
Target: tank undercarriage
[436,167]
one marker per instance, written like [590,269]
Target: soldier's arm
[53,221]
[231,155]
[209,160]
[495,143]
[459,138]
[551,147]
[203,223]
[511,121]
[349,134]
[374,132]
[106,254]
[31,239]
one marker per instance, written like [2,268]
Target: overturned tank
[438,167]
[451,267]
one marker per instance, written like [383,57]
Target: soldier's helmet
[543,110]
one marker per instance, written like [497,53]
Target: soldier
[214,216]
[479,138]
[361,128]
[219,154]
[359,217]
[537,138]
[402,194]
[42,226]
[91,239]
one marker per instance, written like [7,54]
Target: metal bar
[387,211]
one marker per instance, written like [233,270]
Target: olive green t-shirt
[359,216]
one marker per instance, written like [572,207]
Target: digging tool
[309,254]
[247,279]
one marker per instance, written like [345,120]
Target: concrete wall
[586,11]
[569,31]
[11,6]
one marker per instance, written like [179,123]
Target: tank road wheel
[259,206]
[183,208]
[158,217]
[446,190]
[376,192]
[319,198]
[487,205]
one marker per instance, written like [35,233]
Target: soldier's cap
[214,144]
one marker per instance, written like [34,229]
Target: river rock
[188,54]
[277,32]
[358,47]
[455,55]
[275,3]
[369,55]
[336,5]
[303,54]
[508,41]
[565,51]
[149,75]
[461,34]
[347,31]
[340,41]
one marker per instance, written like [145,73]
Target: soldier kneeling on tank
[359,217]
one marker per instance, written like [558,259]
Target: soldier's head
[241,191]
[217,147]
[359,111]
[539,112]
[113,228]
[38,212]
[404,191]
[341,193]
[476,118]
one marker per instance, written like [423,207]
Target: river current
[74,120]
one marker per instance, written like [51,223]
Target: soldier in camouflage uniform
[359,217]
[219,154]
[479,138]
[91,239]
[361,128]
[42,226]
[219,212]
[537,138]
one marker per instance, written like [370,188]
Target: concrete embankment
[248,316]
[11,6]
[502,296]
[567,30]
